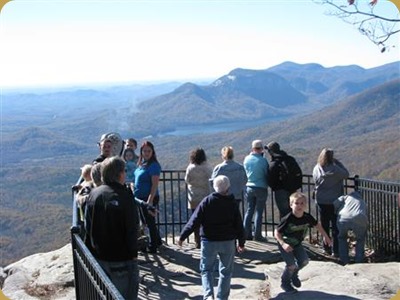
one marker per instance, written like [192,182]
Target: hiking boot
[288,288]
[296,280]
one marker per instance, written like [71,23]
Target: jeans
[210,252]
[360,231]
[256,200]
[328,218]
[124,275]
[295,261]
[282,202]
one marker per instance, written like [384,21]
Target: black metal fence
[382,198]
[383,203]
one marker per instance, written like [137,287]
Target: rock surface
[173,274]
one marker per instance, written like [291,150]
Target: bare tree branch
[376,27]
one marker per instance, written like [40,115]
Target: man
[111,223]
[284,177]
[110,144]
[256,167]
[105,147]
[220,223]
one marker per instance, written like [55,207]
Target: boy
[289,235]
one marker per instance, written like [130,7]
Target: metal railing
[383,203]
[382,200]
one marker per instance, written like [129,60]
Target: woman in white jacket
[197,177]
[328,175]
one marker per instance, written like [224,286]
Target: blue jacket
[256,167]
[236,174]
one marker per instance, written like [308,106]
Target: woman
[147,176]
[197,177]
[328,175]
[234,171]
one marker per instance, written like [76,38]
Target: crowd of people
[119,193]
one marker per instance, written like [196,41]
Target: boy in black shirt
[290,234]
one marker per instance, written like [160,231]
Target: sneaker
[296,281]
[287,287]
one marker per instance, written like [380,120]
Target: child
[129,158]
[290,234]
[84,188]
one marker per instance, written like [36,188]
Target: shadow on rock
[307,295]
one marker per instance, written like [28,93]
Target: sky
[52,43]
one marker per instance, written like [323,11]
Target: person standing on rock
[197,177]
[284,176]
[111,224]
[328,175]
[220,223]
[289,234]
[256,167]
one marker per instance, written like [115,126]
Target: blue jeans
[328,218]
[295,261]
[210,251]
[124,275]
[282,202]
[256,200]
[360,231]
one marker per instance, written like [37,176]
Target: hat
[221,184]
[273,147]
[257,144]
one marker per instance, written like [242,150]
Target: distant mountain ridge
[328,85]
[242,95]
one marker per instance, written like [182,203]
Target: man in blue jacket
[256,167]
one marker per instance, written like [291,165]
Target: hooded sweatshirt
[329,182]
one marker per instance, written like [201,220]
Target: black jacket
[111,223]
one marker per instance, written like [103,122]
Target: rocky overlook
[173,274]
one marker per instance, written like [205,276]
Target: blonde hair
[296,196]
[227,152]
[85,170]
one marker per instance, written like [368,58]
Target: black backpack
[290,174]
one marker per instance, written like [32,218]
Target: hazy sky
[50,42]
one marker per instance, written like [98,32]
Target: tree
[377,24]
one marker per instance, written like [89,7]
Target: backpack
[290,174]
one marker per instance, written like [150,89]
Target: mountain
[283,91]
[362,129]
[239,96]
[327,85]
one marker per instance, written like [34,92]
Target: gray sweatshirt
[329,182]
[351,208]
